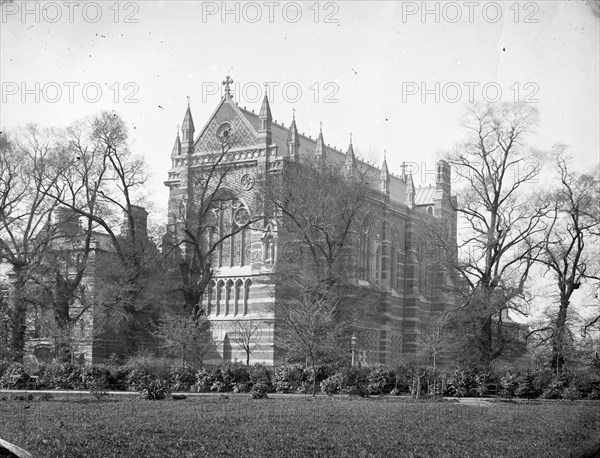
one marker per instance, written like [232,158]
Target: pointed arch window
[364,254]
[210,297]
[219,296]
[228,301]
[247,286]
[237,296]
[395,259]
[228,224]
[378,264]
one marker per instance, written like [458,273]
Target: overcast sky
[358,67]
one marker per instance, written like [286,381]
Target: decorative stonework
[209,141]
[224,131]
[241,217]
[247,182]
[291,252]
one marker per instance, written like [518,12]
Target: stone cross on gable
[228,81]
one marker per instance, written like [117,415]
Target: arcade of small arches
[228,297]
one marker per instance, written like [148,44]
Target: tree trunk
[434,378]
[314,371]
[247,358]
[485,341]
[18,316]
[558,343]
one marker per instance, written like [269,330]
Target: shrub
[5,364]
[485,382]
[219,387]
[588,385]
[288,377]
[118,376]
[93,375]
[181,378]
[417,379]
[332,384]
[205,379]
[349,380]
[323,371]
[526,386]
[509,383]
[137,379]
[155,390]
[465,380]
[241,387]
[558,384]
[541,380]
[380,380]
[400,378]
[259,390]
[99,388]
[10,370]
[304,388]
[61,376]
[260,373]
[235,373]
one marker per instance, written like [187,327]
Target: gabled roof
[281,134]
[251,121]
[424,195]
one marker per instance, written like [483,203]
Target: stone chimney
[140,220]
[67,221]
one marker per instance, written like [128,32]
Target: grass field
[290,427]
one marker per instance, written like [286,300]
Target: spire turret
[350,163]
[320,151]
[177,146]
[293,140]
[410,191]
[187,127]
[384,175]
[264,119]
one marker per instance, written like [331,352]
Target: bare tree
[499,222]
[199,231]
[188,337]
[569,248]
[247,336]
[319,208]
[28,168]
[98,185]
[435,338]
[311,327]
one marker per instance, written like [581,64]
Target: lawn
[288,427]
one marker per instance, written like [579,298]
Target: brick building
[394,255]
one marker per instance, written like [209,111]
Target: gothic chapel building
[394,256]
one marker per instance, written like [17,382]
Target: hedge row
[411,378]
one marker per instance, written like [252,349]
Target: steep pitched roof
[177,146]
[188,122]
[265,109]
[306,151]
[424,195]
